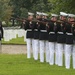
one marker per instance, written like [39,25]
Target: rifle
[23,19]
[41,22]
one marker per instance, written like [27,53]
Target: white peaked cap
[63,14]
[54,15]
[38,13]
[44,14]
[71,15]
[29,13]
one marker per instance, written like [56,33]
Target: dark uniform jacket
[69,35]
[61,34]
[30,30]
[36,29]
[73,31]
[43,32]
[1,32]
[52,30]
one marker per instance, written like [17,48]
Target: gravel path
[14,49]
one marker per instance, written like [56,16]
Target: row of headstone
[9,34]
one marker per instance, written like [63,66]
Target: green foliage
[63,5]
[21,7]
[5,10]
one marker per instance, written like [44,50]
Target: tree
[5,10]
[23,6]
[63,5]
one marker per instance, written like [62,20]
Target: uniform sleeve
[38,26]
[33,25]
[48,27]
[26,26]
[64,27]
[73,30]
[56,27]
[1,32]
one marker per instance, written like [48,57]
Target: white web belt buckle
[51,32]
[69,33]
[43,30]
[60,32]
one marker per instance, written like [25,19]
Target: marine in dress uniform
[43,37]
[29,34]
[73,52]
[52,37]
[1,34]
[69,41]
[61,38]
[44,17]
[36,35]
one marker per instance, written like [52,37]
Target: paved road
[14,49]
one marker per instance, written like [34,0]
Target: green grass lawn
[15,41]
[20,65]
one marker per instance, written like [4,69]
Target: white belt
[43,30]
[29,29]
[35,29]
[51,32]
[60,32]
[69,33]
